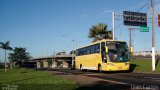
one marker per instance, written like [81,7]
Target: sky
[47,26]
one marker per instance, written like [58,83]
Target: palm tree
[109,35]
[99,32]
[6,47]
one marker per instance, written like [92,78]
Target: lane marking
[154,79]
[157,80]
[148,77]
[111,81]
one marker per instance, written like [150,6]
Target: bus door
[103,52]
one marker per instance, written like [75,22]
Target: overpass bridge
[64,61]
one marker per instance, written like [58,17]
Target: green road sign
[144,29]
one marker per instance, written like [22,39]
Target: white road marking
[111,81]
[148,77]
[154,79]
[117,82]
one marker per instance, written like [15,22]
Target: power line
[84,41]
[68,46]
[146,4]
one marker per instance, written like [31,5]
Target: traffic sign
[159,20]
[144,29]
[134,18]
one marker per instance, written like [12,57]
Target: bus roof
[99,41]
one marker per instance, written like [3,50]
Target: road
[110,80]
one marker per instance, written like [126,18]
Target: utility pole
[54,61]
[5,63]
[153,37]
[130,40]
[73,55]
[47,55]
[54,56]
[113,18]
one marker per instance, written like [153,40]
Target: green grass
[29,79]
[144,66]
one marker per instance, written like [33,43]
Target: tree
[19,55]
[72,52]
[5,46]
[109,35]
[99,32]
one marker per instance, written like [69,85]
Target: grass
[144,65]
[29,79]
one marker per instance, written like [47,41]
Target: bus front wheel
[99,68]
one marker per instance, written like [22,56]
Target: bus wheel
[99,68]
[81,67]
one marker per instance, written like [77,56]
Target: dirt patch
[89,83]
[81,80]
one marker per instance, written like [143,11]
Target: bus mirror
[106,49]
[131,50]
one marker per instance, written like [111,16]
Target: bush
[1,65]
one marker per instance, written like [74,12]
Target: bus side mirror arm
[131,50]
[106,48]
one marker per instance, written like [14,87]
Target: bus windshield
[118,51]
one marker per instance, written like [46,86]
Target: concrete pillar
[45,64]
[50,63]
[54,64]
[65,64]
[38,64]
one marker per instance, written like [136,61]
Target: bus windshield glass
[118,51]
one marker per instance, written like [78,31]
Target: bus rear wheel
[81,67]
[99,68]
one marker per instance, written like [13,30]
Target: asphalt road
[92,80]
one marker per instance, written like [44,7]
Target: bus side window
[98,48]
[88,50]
[77,52]
[81,51]
[103,52]
[92,49]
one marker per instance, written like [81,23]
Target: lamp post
[73,55]
[153,37]
[113,17]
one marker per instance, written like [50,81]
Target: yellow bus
[103,55]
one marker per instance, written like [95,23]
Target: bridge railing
[56,56]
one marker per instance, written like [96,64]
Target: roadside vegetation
[144,65]
[5,46]
[16,57]
[29,79]
[99,31]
